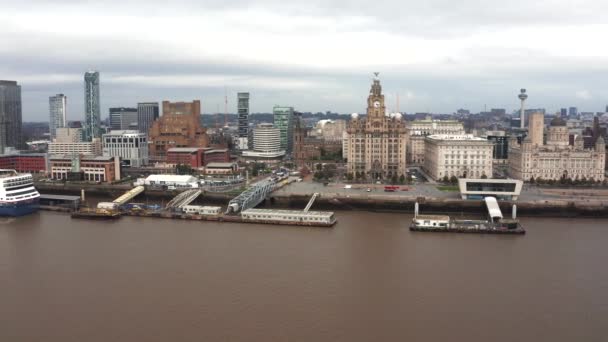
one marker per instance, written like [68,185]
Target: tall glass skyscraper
[57,110]
[243,111]
[283,120]
[147,112]
[10,115]
[92,111]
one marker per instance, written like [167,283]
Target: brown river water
[367,279]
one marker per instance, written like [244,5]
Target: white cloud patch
[316,54]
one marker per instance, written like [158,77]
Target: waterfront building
[419,129]
[283,120]
[223,169]
[501,189]
[243,128]
[462,156]
[147,113]
[557,159]
[266,143]
[89,148]
[177,181]
[130,146]
[92,111]
[10,115]
[26,162]
[85,168]
[179,126]
[377,143]
[57,114]
[68,135]
[123,118]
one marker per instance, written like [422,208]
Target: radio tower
[522,96]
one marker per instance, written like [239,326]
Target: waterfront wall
[550,208]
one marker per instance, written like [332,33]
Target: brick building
[86,168]
[197,157]
[179,126]
[31,163]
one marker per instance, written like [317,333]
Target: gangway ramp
[251,197]
[493,209]
[311,202]
[184,198]
[129,195]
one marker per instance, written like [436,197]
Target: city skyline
[438,57]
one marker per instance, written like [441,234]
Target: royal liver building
[376,144]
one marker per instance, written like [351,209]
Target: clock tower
[375,100]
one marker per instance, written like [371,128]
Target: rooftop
[461,137]
[184,149]
[220,165]
[292,212]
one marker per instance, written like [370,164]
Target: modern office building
[462,156]
[266,143]
[283,120]
[179,126]
[10,115]
[57,113]
[557,159]
[130,146]
[123,118]
[68,135]
[243,112]
[147,113]
[377,143]
[500,140]
[563,113]
[572,112]
[419,129]
[92,111]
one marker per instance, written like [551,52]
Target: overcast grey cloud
[437,55]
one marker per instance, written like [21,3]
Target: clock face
[376,104]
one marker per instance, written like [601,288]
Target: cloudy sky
[316,55]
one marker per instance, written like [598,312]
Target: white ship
[18,197]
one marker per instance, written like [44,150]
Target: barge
[96,214]
[495,224]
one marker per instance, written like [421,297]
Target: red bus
[391,188]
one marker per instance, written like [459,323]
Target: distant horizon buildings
[10,115]
[57,114]
[147,113]
[92,111]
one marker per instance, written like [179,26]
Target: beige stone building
[536,127]
[376,144]
[557,159]
[419,129]
[462,156]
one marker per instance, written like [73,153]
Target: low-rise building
[197,157]
[478,189]
[30,162]
[458,156]
[102,169]
[177,181]
[130,146]
[91,148]
[221,169]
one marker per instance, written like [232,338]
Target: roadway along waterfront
[367,279]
